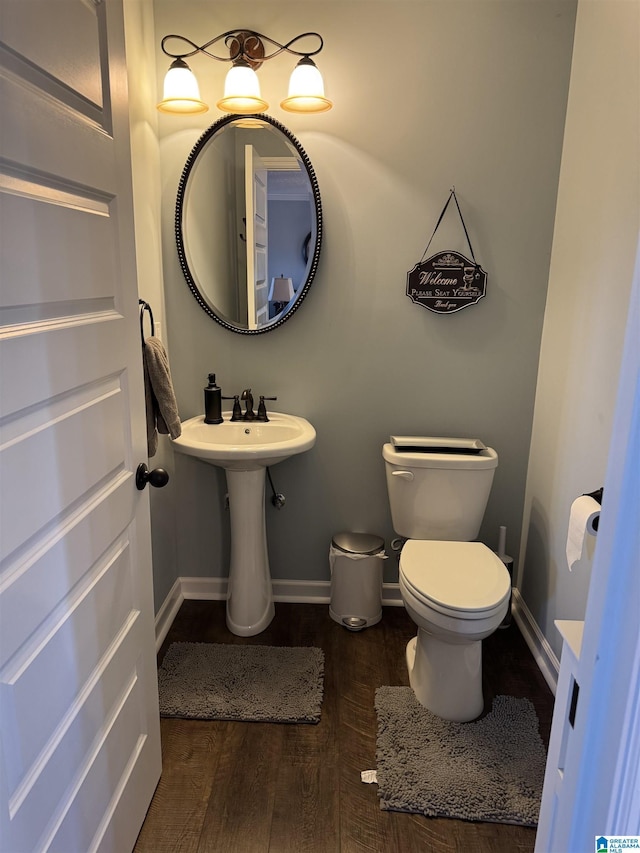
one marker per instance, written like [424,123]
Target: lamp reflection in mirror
[281,293]
[242,88]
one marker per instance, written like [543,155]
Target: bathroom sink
[246,445]
[245,449]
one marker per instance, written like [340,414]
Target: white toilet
[455,590]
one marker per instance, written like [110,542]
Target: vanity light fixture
[242,88]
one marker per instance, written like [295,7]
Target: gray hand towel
[160,400]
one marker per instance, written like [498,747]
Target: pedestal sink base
[251,630]
[249,600]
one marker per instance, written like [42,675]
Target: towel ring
[144,306]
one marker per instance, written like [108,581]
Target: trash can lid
[358,543]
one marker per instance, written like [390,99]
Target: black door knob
[158,477]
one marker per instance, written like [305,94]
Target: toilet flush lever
[406,475]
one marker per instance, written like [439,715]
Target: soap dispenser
[212,402]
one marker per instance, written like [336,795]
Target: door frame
[600,793]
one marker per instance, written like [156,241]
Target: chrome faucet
[247,397]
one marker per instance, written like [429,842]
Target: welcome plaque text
[446,282]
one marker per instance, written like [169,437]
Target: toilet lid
[458,576]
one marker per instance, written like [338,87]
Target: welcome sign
[446,282]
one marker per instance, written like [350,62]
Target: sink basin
[246,445]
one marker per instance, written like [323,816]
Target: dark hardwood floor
[266,788]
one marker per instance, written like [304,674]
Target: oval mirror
[248,223]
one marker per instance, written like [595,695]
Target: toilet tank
[438,487]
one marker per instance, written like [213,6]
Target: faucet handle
[236,414]
[262,409]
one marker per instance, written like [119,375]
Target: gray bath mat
[489,770]
[212,681]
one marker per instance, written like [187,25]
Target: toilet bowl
[457,593]
[455,589]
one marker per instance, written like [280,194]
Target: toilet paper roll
[584,512]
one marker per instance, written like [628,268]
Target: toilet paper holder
[597,496]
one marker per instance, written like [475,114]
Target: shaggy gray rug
[212,681]
[491,769]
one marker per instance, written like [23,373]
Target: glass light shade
[181,93]
[306,90]
[242,91]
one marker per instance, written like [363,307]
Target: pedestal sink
[245,449]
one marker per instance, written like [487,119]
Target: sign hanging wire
[452,194]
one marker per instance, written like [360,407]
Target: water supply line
[277,499]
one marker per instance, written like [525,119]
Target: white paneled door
[257,238]
[79,728]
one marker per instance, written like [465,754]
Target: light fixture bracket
[242,44]
[248,46]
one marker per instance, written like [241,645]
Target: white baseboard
[319,592]
[545,657]
[168,612]
[204,589]
[215,589]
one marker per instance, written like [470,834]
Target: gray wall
[594,249]
[289,225]
[145,161]
[427,95]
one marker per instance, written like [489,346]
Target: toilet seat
[463,580]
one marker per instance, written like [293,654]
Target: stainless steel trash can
[356,561]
